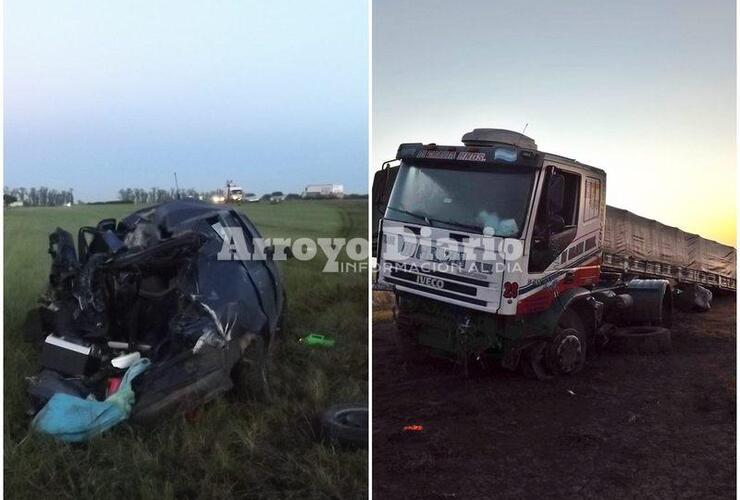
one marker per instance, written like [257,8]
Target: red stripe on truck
[540,301]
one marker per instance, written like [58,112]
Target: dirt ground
[627,426]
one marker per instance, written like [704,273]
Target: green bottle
[316,340]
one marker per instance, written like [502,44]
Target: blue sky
[104,95]
[643,89]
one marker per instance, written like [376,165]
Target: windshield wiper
[429,220]
[458,224]
[412,214]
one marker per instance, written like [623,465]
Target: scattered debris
[74,419]
[149,288]
[113,384]
[413,428]
[317,340]
[693,298]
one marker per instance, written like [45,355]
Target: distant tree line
[38,197]
[154,195]
[158,195]
[46,197]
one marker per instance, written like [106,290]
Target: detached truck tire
[641,340]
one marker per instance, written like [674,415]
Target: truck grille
[434,282]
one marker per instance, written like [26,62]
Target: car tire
[280,330]
[345,425]
[641,340]
[251,372]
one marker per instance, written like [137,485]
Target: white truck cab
[494,237]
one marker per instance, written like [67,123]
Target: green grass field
[233,448]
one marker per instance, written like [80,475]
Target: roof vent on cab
[491,136]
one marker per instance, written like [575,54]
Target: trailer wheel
[641,340]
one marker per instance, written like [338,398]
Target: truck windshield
[464,197]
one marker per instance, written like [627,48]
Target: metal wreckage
[151,287]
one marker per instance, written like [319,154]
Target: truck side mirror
[383,182]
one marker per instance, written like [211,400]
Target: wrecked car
[154,286]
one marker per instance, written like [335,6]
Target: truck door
[556,226]
[566,239]
[382,186]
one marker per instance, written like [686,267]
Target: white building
[324,191]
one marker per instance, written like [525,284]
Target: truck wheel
[641,340]
[532,362]
[566,351]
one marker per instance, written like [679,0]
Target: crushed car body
[153,286]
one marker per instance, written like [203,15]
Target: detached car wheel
[345,425]
[641,340]
[251,372]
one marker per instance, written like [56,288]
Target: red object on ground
[113,384]
[413,428]
[193,414]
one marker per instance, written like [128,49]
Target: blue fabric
[74,419]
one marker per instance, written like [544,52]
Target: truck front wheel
[566,351]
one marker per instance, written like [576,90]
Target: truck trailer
[495,249]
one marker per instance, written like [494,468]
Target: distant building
[324,191]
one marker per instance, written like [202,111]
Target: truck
[234,193]
[231,194]
[496,250]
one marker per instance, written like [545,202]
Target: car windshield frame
[403,213]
